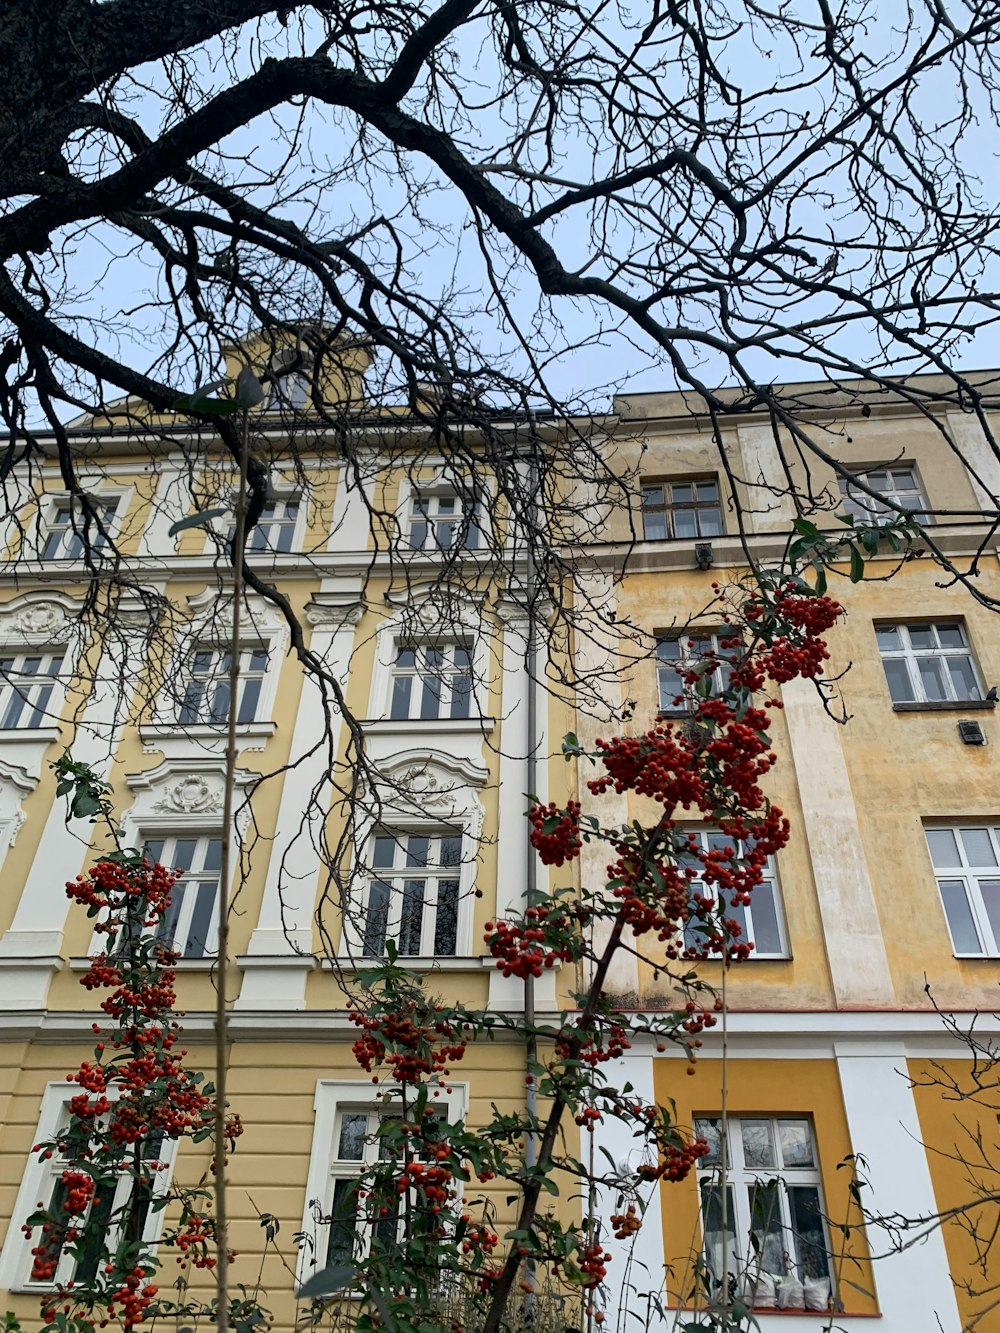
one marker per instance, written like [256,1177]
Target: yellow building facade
[832,1043]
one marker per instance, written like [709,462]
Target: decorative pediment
[33,620]
[431,608]
[430,784]
[187,793]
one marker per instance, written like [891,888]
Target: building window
[676,655]
[206,694]
[898,485]
[774,1202]
[190,926]
[43,1183]
[444,523]
[359,1141]
[413,894]
[64,536]
[760,923]
[26,685]
[966,860]
[275,529]
[432,683]
[681,509]
[928,662]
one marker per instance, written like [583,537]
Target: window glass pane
[978,847]
[652,496]
[411,917]
[942,847]
[707,491]
[964,934]
[921,636]
[154,851]
[888,638]
[463,658]
[765,1225]
[376,919]
[202,916]
[990,890]
[668,650]
[681,494]
[93,1239]
[430,698]
[446,919]
[451,850]
[184,853]
[764,930]
[807,1229]
[654,526]
[213,854]
[402,687]
[710,522]
[710,1129]
[758,1145]
[950,635]
[418,535]
[249,698]
[963,678]
[711,1220]
[385,848]
[461,696]
[417,848]
[343,1222]
[932,678]
[685,523]
[168,926]
[898,678]
[795,1138]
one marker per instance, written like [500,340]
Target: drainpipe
[531,766]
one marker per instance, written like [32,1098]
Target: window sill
[79,964]
[416,963]
[978,957]
[18,735]
[205,731]
[945,706]
[448,726]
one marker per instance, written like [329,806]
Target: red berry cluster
[555,833]
[526,948]
[412,1050]
[625,1225]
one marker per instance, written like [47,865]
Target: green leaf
[857,565]
[85,805]
[328,1281]
[198,520]
[191,400]
[806,527]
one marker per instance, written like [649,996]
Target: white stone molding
[852,932]
[352,503]
[279,956]
[38,620]
[769,505]
[30,950]
[186,794]
[425,790]
[15,784]
[914,1288]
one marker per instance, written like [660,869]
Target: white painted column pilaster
[981,462]
[769,503]
[914,1289]
[636,1269]
[513,847]
[351,520]
[598,660]
[852,931]
[279,957]
[31,950]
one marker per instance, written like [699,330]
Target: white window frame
[334,1098]
[433,873]
[911,657]
[185,892]
[259,537]
[433,517]
[966,876]
[218,679]
[706,836]
[425,675]
[114,504]
[741,1178]
[37,1183]
[690,656]
[33,696]
[669,508]
[861,505]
